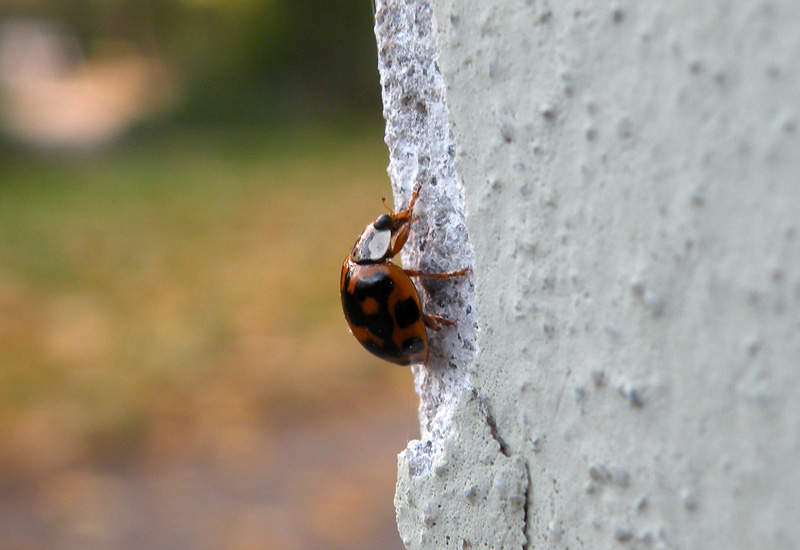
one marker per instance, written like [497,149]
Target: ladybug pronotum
[381,304]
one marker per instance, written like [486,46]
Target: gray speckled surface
[632,198]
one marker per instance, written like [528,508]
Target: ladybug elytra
[381,304]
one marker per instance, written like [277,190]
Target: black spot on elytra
[406,312]
[413,345]
[377,286]
[388,350]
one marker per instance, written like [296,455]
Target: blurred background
[180,181]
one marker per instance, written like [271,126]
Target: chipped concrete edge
[457,475]
[474,496]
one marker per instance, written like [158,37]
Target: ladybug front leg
[401,222]
[400,238]
[410,208]
[435,322]
[403,215]
[418,273]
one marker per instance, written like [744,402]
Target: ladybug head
[383,222]
[375,242]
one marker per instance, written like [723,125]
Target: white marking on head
[372,245]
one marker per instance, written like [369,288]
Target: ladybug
[381,304]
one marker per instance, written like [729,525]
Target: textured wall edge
[459,470]
[421,152]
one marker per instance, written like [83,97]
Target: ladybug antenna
[383,200]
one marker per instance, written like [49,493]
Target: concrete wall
[629,176]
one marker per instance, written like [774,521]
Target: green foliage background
[281,60]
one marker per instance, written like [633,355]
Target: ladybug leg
[410,208]
[404,215]
[435,322]
[400,238]
[401,222]
[418,273]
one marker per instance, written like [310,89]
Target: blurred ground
[311,484]
[176,371]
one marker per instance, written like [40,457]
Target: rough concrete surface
[631,191]
[456,469]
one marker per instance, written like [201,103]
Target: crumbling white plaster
[475,495]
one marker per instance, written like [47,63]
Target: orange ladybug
[381,304]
